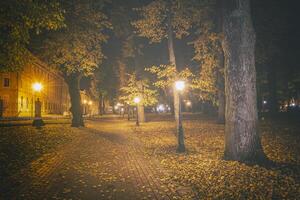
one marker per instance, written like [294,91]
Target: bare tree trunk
[76,109]
[100,104]
[221,90]
[122,72]
[242,139]
[141,110]
[220,72]
[172,59]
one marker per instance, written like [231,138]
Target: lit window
[6,82]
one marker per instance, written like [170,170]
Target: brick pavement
[105,163]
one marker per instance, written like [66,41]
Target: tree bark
[242,139]
[220,69]
[176,95]
[141,110]
[74,91]
[100,104]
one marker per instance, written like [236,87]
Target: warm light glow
[179,85]
[90,102]
[84,101]
[188,103]
[116,107]
[136,100]
[37,87]
[161,108]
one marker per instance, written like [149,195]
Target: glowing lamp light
[116,107]
[264,102]
[90,102]
[161,108]
[136,100]
[37,87]
[179,85]
[188,103]
[84,101]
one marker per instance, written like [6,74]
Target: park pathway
[106,161]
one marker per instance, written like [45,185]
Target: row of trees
[72,34]
[225,44]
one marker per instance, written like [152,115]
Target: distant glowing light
[37,87]
[116,107]
[84,101]
[160,108]
[265,102]
[122,109]
[90,102]
[188,103]
[293,104]
[179,85]
[136,100]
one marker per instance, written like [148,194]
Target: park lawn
[211,177]
[21,145]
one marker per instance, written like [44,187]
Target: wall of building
[19,96]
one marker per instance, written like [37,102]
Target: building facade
[18,96]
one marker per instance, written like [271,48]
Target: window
[6,82]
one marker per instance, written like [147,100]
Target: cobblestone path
[106,161]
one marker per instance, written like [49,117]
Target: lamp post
[90,103]
[38,121]
[179,87]
[137,101]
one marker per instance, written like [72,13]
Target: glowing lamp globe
[37,87]
[136,100]
[179,85]
[90,102]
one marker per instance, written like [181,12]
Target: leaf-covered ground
[21,145]
[203,168]
[114,159]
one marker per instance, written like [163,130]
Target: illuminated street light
[179,87]
[37,87]
[37,121]
[90,102]
[137,100]
[84,101]
[188,103]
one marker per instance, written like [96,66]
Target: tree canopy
[19,20]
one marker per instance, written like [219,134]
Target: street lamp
[179,87]
[38,121]
[137,100]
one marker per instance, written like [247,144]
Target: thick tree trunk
[74,91]
[172,60]
[221,94]
[100,104]
[141,110]
[242,139]
[220,72]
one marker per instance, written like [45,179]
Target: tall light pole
[38,121]
[179,87]
[137,101]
